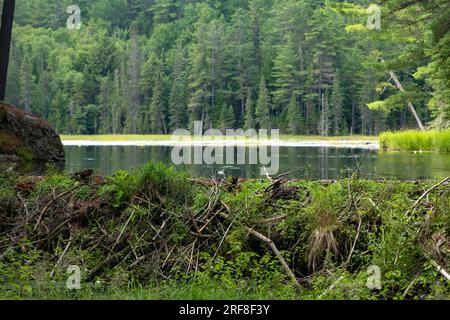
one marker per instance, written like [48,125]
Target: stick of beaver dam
[429,191]
[271,245]
[440,269]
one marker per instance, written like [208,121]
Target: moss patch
[11,145]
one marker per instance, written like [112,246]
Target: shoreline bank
[341,143]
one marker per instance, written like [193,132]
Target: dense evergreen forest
[304,66]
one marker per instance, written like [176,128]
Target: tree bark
[410,105]
[5,43]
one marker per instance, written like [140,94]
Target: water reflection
[313,162]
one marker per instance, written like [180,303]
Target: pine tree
[105,112]
[337,108]
[284,73]
[42,95]
[157,114]
[210,54]
[263,106]
[324,38]
[215,61]
[311,100]
[256,10]
[249,112]
[324,122]
[26,84]
[13,81]
[199,71]
[227,117]
[116,103]
[244,66]
[178,94]
[295,118]
[76,118]
[133,65]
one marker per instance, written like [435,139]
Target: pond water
[314,162]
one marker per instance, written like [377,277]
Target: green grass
[154,137]
[412,140]
[197,289]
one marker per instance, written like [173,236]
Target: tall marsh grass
[416,140]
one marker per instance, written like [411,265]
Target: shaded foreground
[156,234]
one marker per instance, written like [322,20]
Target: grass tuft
[412,140]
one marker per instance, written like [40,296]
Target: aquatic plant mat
[156,233]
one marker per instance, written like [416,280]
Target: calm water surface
[313,162]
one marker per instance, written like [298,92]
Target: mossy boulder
[25,137]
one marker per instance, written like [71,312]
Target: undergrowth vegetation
[154,233]
[416,140]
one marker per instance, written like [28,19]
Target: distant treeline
[153,66]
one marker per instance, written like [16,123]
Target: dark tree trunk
[5,43]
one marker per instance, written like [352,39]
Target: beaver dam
[156,233]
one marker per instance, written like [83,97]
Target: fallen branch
[405,293]
[440,269]
[273,220]
[160,229]
[61,257]
[271,245]
[410,105]
[331,287]
[427,193]
[105,263]
[356,239]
